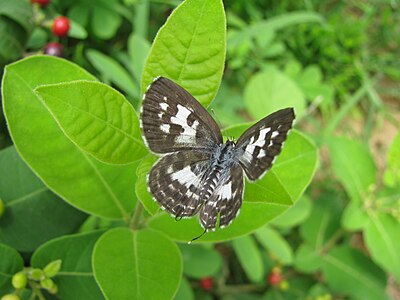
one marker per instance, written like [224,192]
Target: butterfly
[198,173]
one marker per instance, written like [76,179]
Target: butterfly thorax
[221,161]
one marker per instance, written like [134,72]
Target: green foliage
[353,166]
[112,71]
[83,110]
[74,203]
[14,29]
[200,261]
[75,278]
[30,204]
[146,264]
[249,257]
[104,18]
[270,90]
[11,263]
[190,49]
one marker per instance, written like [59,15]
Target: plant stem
[332,241]
[232,289]
[134,222]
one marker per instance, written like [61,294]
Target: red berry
[61,26]
[274,278]
[54,49]
[207,283]
[41,2]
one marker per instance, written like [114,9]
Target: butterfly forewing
[176,181]
[173,120]
[260,144]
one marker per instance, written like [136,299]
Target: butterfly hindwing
[225,201]
[261,143]
[172,120]
[176,179]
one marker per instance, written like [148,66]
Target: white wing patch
[262,153]
[165,128]
[164,106]
[226,191]
[186,177]
[274,134]
[189,132]
[260,141]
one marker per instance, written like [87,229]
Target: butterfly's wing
[261,143]
[176,180]
[225,201]
[172,120]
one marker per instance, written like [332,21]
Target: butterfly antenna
[216,118]
[196,238]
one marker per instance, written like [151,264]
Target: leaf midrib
[126,134]
[96,171]
[368,283]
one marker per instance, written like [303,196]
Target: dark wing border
[279,124]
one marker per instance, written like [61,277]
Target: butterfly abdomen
[210,183]
[220,164]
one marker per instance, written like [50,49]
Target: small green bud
[54,289]
[47,283]
[52,268]
[2,208]
[37,274]
[10,297]
[284,285]
[19,280]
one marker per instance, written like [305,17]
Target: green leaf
[13,39]
[190,49]
[11,263]
[306,259]
[77,31]
[310,77]
[19,11]
[30,204]
[79,13]
[273,24]
[323,222]
[185,291]
[138,49]
[354,217]
[200,262]
[276,244]
[350,272]
[392,172]
[263,200]
[101,189]
[38,39]
[382,239]
[249,257]
[353,165]
[142,264]
[111,70]
[141,185]
[226,105]
[75,280]
[105,20]
[295,215]
[317,230]
[271,90]
[97,118]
